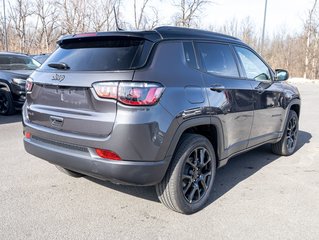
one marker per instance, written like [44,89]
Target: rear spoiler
[152,36]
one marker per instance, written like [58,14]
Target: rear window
[101,54]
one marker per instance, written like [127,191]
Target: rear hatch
[62,96]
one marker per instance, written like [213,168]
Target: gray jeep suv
[165,107]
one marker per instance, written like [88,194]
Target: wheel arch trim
[4,85]
[293,102]
[196,122]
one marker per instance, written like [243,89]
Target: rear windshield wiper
[61,65]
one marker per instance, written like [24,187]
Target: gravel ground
[258,195]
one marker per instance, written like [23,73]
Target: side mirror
[281,75]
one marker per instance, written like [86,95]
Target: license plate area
[68,96]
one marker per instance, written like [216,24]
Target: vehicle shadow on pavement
[147,193]
[303,138]
[11,119]
[240,168]
[237,169]
[245,165]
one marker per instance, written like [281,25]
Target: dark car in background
[15,68]
[165,107]
[41,57]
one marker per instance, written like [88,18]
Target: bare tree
[247,32]
[188,11]
[138,17]
[19,12]
[2,34]
[230,28]
[33,26]
[142,17]
[73,16]
[244,29]
[47,14]
[102,15]
[310,32]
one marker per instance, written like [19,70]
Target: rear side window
[218,59]
[101,54]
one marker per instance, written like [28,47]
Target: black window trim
[195,54]
[271,73]
[202,67]
[239,63]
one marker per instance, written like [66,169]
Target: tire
[69,172]
[183,187]
[287,144]
[6,103]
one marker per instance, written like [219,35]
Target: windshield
[12,62]
[101,54]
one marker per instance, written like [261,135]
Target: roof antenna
[116,23]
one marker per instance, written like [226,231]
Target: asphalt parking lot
[258,195]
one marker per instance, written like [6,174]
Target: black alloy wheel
[292,133]
[287,144]
[189,179]
[197,174]
[6,103]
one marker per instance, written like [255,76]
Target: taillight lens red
[138,94]
[130,93]
[29,85]
[103,153]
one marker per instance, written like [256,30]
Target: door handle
[217,88]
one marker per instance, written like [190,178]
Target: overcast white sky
[281,14]
[287,14]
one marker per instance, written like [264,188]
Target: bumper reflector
[27,135]
[107,154]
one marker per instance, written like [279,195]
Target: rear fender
[193,123]
[295,101]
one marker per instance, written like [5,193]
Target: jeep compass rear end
[164,107]
[85,114]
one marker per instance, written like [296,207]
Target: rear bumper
[123,172]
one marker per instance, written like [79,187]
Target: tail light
[106,89]
[29,85]
[130,93]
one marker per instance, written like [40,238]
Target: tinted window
[101,54]
[190,54]
[218,59]
[11,62]
[254,67]
[41,58]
